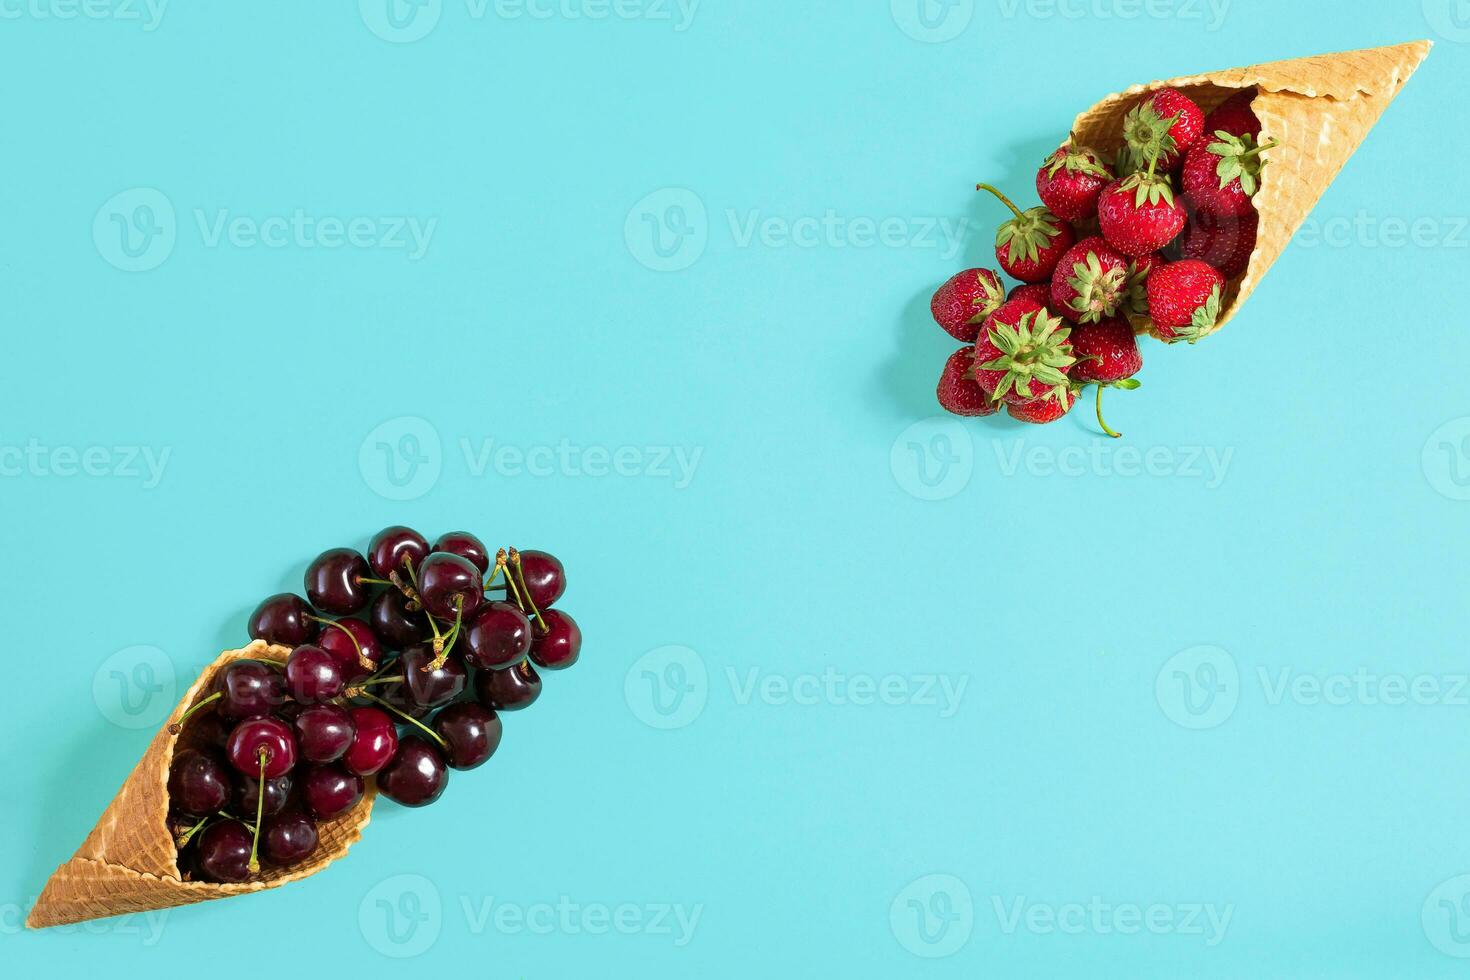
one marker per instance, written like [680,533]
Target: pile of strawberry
[1146,245]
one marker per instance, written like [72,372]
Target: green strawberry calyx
[1028,233]
[990,297]
[1240,159]
[1147,138]
[1204,321]
[1077,160]
[1137,287]
[1099,292]
[1148,188]
[1035,354]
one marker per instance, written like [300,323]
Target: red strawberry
[1047,409]
[963,303]
[1139,214]
[1184,299]
[959,393]
[1235,116]
[1022,352]
[1029,245]
[1070,181]
[1038,292]
[1091,282]
[1225,243]
[1221,177]
[1106,351]
[1162,127]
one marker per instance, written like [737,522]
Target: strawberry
[1225,243]
[1161,128]
[1106,351]
[1070,181]
[1139,214]
[1022,352]
[1235,116]
[1047,409]
[1091,282]
[1184,299]
[1037,292]
[1029,245]
[958,392]
[963,303]
[1221,177]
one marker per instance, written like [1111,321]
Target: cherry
[561,644]
[250,689]
[510,689]
[277,792]
[431,688]
[198,782]
[289,838]
[334,582]
[449,584]
[470,732]
[348,641]
[225,851]
[396,549]
[467,546]
[392,620]
[284,619]
[330,791]
[324,732]
[417,775]
[209,729]
[262,745]
[373,744]
[499,635]
[544,576]
[313,676]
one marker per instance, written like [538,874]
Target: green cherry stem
[376,581]
[259,811]
[515,563]
[1003,199]
[182,841]
[442,645]
[362,659]
[178,726]
[1115,435]
[406,717]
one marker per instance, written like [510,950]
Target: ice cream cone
[1319,109]
[128,863]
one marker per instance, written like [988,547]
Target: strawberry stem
[1115,435]
[1003,199]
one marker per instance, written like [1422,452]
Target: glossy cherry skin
[471,733]
[374,743]
[209,729]
[431,688]
[199,782]
[288,839]
[270,735]
[467,546]
[417,775]
[394,622]
[334,582]
[330,790]
[561,644]
[499,635]
[335,639]
[284,619]
[313,675]
[546,579]
[396,549]
[277,793]
[445,579]
[250,689]
[224,851]
[324,732]
[509,689]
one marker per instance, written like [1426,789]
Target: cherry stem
[362,659]
[1003,199]
[374,682]
[408,718]
[1115,435]
[376,581]
[259,810]
[444,645]
[515,563]
[182,841]
[178,726]
[500,565]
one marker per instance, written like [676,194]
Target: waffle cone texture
[1319,109]
[128,863]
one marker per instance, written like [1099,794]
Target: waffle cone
[1319,109]
[128,863]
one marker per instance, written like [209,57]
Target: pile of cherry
[1142,244]
[447,638]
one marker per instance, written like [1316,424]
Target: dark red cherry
[250,689]
[209,729]
[330,790]
[288,839]
[373,744]
[546,579]
[224,851]
[268,735]
[313,676]
[471,734]
[431,688]
[284,619]
[499,635]
[559,647]
[337,639]
[508,689]
[324,732]
[199,782]
[334,582]
[392,620]
[448,581]
[396,549]
[467,546]
[417,775]
[277,792]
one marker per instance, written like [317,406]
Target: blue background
[800,832]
